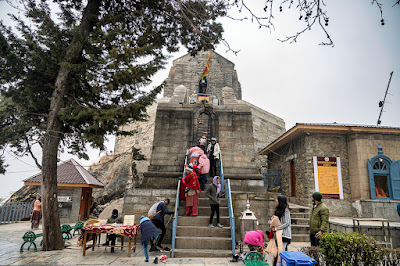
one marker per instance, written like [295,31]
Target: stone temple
[178,120]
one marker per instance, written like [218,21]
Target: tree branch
[31,153]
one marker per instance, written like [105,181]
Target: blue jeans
[146,252]
[202,179]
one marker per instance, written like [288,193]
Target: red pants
[192,210]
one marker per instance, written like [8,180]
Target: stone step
[202,253]
[204,211]
[248,189]
[300,215]
[190,242]
[300,228]
[300,220]
[203,231]
[300,237]
[204,202]
[200,221]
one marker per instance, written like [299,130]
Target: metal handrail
[221,173]
[176,214]
[228,196]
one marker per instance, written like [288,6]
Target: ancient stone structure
[176,122]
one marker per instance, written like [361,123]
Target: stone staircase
[195,239]
[300,216]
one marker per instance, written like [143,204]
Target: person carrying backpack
[158,221]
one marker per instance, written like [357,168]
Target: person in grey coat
[212,193]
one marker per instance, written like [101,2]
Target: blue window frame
[384,176]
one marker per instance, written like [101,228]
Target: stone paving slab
[11,240]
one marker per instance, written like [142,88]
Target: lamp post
[249,221]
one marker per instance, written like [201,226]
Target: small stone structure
[74,190]
[293,153]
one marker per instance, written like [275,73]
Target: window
[384,176]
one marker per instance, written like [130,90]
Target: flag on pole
[207,69]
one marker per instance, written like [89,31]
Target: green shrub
[350,249]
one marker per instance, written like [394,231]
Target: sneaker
[165,249]
[146,260]
[154,248]
[220,225]
[211,226]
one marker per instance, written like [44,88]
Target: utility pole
[382,103]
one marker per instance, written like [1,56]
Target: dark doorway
[203,127]
[292,179]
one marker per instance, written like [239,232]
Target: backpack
[153,210]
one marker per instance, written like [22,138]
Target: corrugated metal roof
[70,172]
[345,125]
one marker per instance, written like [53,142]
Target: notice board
[328,177]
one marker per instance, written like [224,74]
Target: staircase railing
[228,196]
[176,213]
[221,173]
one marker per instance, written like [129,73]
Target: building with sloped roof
[75,186]
[355,167]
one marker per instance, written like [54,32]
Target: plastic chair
[253,258]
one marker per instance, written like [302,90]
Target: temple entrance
[203,127]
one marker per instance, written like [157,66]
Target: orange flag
[207,69]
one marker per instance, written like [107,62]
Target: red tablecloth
[129,230]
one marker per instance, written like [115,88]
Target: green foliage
[315,253]
[350,249]
[108,78]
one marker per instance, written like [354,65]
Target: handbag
[191,192]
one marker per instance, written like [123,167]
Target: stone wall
[374,231]
[302,150]
[175,132]
[361,148]
[377,208]
[187,71]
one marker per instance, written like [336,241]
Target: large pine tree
[71,79]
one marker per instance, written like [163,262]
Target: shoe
[155,260]
[146,260]
[154,248]
[165,249]
[220,225]
[211,226]
[112,250]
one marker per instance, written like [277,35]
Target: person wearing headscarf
[149,234]
[112,237]
[213,151]
[192,189]
[212,192]
[36,213]
[255,241]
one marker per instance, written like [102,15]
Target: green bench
[30,236]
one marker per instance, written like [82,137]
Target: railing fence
[15,211]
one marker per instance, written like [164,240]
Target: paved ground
[11,240]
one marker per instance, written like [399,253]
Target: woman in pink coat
[204,167]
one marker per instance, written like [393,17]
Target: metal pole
[384,99]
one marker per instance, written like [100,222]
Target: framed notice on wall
[328,177]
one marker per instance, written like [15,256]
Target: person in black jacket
[149,234]
[158,221]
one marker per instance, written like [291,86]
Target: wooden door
[86,201]
[292,179]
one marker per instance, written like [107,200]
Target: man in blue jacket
[158,221]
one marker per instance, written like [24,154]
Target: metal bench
[30,237]
[77,227]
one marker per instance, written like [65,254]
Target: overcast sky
[303,81]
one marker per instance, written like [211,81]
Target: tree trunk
[52,236]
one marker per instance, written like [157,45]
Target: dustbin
[292,258]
